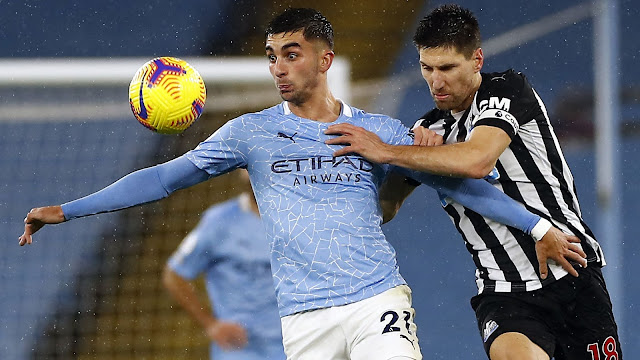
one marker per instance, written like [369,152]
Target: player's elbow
[478,166]
[478,171]
[478,161]
[168,278]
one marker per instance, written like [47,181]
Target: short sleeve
[506,101]
[400,134]
[224,150]
[500,119]
[193,256]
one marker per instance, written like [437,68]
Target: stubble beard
[443,105]
[295,98]
[298,97]
[454,103]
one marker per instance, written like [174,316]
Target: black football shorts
[571,318]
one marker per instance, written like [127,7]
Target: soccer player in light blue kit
[229,247]
[339,290]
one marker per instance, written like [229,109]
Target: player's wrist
[58,213]
[391,154]
[540,229]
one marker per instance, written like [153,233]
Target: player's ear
[327,60]
[478,59]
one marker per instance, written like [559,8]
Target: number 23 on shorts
[400,323]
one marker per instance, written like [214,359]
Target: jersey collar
[345,109]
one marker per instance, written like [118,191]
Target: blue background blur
[35,28]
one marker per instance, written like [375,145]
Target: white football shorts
[378,328]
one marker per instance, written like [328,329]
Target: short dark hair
[311,21]
[449,26]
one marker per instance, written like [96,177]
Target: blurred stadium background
[90,289]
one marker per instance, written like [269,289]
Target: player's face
[452,77]
[294,64]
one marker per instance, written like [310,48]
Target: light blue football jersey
[321,213]
[230,248]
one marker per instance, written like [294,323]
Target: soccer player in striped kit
[339,290]
[496,127]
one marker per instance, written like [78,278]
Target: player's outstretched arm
[37,218]
[486,200]
[479,196]
[139,187]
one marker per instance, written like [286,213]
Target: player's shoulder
[271,113]
[222,210]
[388,129]
[509,83]
[248,124]
[367,119]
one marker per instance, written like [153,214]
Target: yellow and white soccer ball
[167,95]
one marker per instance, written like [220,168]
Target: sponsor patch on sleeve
[499,118]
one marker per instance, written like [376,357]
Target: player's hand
[359,141]
[561,248]
[229,336]
[37,218]
[426,137]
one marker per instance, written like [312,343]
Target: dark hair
[314,24]
[449,26]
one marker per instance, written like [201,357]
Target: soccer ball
[167,95]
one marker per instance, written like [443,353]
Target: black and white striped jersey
[532,170]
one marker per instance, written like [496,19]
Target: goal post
[246,82]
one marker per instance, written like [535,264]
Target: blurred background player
[500,131]
[230,248]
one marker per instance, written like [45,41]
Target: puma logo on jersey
[501,77]
[283,135]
